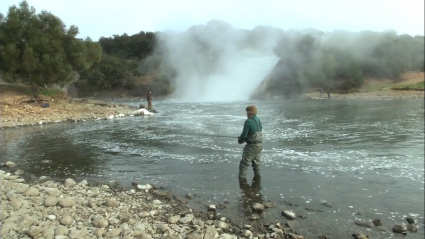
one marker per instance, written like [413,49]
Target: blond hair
[251,110]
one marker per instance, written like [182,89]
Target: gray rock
[289,214]
[364,223]
[50,201]
[360,236]
[75,233]
[100,222]
[51,191]
[163,227]
[382,229]
[377,222]
[61,230]
[3,215]
[411,220]
[25,221]
[290,203]
[48,232]
[258,207]
[16,204]
[173,219]
[10,164]
[32,192]
[34,231]
[189,196]
[186,219]
[144,214]
[326,204]
[66,220]
[269,204]
[69,182]
[66,202]
[112,203]
[254,217]
[210,233]
[112,233]
[412,228]
[99,232]
[227,236]
[19,172]
[400,228]
[292,224]
[220,224]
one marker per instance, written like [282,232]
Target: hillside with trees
[39,50]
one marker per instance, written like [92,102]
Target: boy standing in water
[253,137]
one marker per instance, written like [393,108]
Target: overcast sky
[97,18]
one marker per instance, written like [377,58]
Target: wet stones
[360,236]
[326,204]
[400,228]
[19,172]
[212,207]
[412,228]
[10,164]
[289,214]
[290,203]
[258,207]
[377,222]
[411,220]
[189,196]
[269,204]
[364,223]
[292,224]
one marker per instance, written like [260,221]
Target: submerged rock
[364,223]
[289,214]
[400,228]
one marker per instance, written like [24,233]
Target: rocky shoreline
[61,110]
[48,209]
[43,208]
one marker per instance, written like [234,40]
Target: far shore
[15,111]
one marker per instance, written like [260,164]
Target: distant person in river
[329,93]
[150,98]
[321,92]
[253,137]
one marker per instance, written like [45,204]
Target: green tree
[37,48]
[111,72]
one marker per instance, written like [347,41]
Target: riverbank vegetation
[38,49]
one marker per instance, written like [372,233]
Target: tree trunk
[34,88]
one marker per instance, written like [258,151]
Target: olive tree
[38,49]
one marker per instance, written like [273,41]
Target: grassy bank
[25,90]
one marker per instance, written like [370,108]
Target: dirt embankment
[381,89]
[14,112]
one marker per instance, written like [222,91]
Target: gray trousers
[251,154]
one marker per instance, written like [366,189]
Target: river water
[362,156]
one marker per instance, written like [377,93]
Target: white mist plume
[216,62]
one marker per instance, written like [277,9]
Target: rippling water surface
[357,155]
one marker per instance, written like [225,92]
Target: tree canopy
[37,48]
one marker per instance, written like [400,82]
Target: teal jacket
[250,127]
